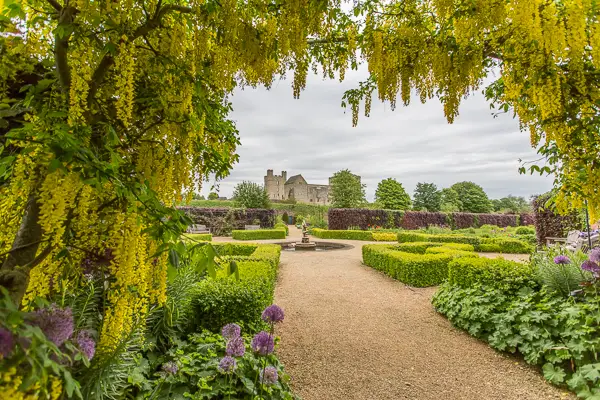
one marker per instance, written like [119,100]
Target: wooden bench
[197,228]
[251,227]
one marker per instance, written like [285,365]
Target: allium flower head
[227,364]
[86,344]
[7,342]
[236,347]
[263,343]
[269,376]
[170,367]
[589,265]
[562,260]
[55,322]
[231,331]
[272,314]
[595,255]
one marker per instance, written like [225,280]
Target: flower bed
[259,234]
[226,299]
[491,245]
[534,311]
[410,263]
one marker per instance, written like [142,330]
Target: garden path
[353,333]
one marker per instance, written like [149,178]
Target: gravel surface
[353,333]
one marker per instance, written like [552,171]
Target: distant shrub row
[259,234]
[344,218]
[222,221]
[485,245]
[354,235]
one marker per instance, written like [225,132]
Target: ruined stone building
[279,187]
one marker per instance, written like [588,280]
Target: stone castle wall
[278,187]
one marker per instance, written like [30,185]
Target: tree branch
[56,5]
[61,47]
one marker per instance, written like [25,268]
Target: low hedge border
[200,237]
[344,235]
[384,236]
[491,245]
[225,299]
[281,225]
[259,234]
[416,268]
[467,272]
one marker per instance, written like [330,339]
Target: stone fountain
[305,244]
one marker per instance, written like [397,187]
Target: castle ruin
[279,187]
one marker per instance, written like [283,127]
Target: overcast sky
[313,136]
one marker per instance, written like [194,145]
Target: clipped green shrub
[384,236]
[467,272]
[415,247]
[511,246]
[489,248]
[281,225]
[452,252]
[199,237]
[259,234]
[346,235]
[407,236]
[219,301]
[525,230]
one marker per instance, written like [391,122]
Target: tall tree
[346,190]
[543,54]
[390,194]
[251,195]
[472,197]
[213,196]
[427,197]
[512,204]
[450,200]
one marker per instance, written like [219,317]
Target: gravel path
[353,333]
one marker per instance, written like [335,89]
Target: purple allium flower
[562,260]
[55,322]
[595,255]
[86,344]
[236,347]
[272,314]
[263,343]
[269,375]
[231,331]
[227,364]
[7,342]
[170,367]
[589,265]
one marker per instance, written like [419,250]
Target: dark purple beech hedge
[347,218]
[548,223]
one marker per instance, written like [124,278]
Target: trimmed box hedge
[283,226]
[259,234]
[468,272]
[493,245]
[344,235]
[384,236]
[415,268]
[200,237]
[219,301]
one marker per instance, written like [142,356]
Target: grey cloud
[314,136]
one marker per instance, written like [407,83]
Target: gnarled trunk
[14,273]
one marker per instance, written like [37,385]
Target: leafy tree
[450,201]
[391,195]
[112,111]
[427,197]
[346,190]
[213,196]
[197,196]
[472,197]
[512,204]
[251,195]
[446,49]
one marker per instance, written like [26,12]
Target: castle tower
[274,185]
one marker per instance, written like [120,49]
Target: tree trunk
[14,274]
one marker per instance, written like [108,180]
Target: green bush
[281,225]
[199,237]
[384,236]
[450,251]
[500,244]
[259,234]
[467,272]
[346,235]
[524,230]
[219,301]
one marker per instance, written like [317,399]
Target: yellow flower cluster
[125,64]
[81,72]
